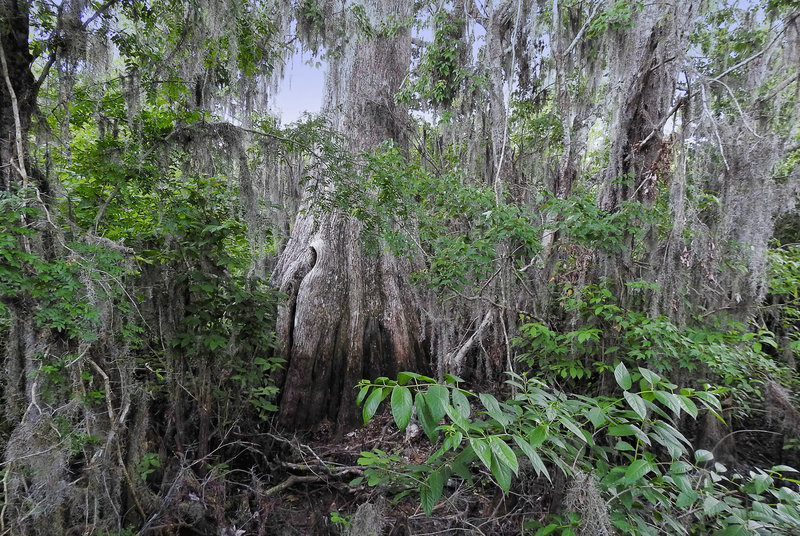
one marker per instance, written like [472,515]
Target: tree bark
[350,314]
[17,101]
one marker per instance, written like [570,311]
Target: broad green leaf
[734,530]
[650,377]
[713,506]
[437,397]
[637,470]
[453,440]
[461,404]
[636,403]
[682,481]
[457,419]
[460,464]
[371,405]
[502,473]
[449,378]
[596,416]
[673,432]
[533,456]
[688,405]
[537,436]
[436,481]
[622,376]
[424,417]
[709,400]
[669,400]
[503,453]
[361,394]
[426,499]
[680,467]
[549,529]
[622,430]
[404,377]
[402,405]
[482,450]
[784,469]
[760,483]
[686,498]
[703,456]
[572,427]
[493,409]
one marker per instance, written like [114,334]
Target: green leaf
[709,400]
[502,473]
[424,417]
[784,469]
[636,471]
[426,499]
[461,404]
[669,400]
[622,376]
[537,436]
[712,506]
[688,405]
[650,377]
[703,456]
[449,378]
[437,398]
[686,498]
[482,450]
[572,427]
[493,409]
[622,430]
[457,419]
[404,377]
[760,483]
[680,467]
[503,453]
[596,416]
[623,446]
[549,529]
[371,405]
[460,464]
[402,404]
[436,481]
[361,394]
[533,456]
[636,403]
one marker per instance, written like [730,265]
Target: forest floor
[319,500]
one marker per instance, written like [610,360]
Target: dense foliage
[575,221]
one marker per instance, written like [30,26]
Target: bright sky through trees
[300,91]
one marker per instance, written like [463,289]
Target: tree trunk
[349,315]
[18,100]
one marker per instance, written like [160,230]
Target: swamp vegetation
[534,268]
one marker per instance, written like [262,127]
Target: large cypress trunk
[350,314]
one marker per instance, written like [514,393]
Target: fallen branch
[289,482]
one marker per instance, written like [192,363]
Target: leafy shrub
[644,469]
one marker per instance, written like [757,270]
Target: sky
[301,89]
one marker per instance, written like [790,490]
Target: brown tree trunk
[17,89]
[640,155]
[17,100]
[350,314]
